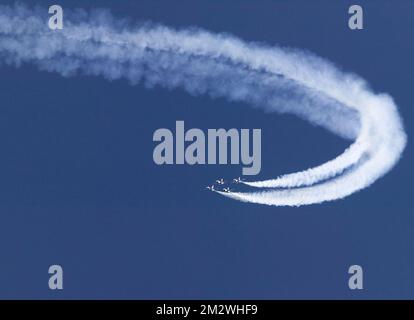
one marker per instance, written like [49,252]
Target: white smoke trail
[273,78]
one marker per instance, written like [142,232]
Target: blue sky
[79,187]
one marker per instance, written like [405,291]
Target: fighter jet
[211,188]
[226,190]
[238,180]
[220,181]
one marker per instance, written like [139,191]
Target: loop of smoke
[272,78]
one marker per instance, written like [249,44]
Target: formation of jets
[221,182]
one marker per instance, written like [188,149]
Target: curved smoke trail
[273,78]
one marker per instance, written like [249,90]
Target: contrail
[273,78]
